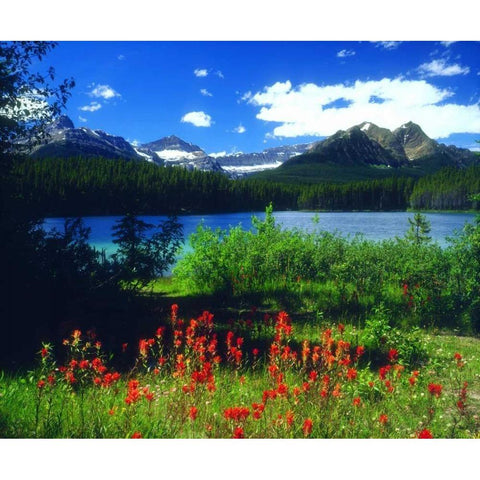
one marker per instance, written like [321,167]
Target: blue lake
[373,225]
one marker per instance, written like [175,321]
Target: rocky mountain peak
[63,122]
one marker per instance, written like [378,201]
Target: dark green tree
[140,257]
[29,100]
[419,229]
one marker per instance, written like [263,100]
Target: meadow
[261,376]
[274,333]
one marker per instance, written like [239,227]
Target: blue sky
[248,95]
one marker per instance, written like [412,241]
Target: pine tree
[419,229]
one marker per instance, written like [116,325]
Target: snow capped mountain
[64,140]
[365,144]
[173,151]
[240,164]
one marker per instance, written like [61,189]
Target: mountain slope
[240,164]
[368,151]
[64,140]
[174,151]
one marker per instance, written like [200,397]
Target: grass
[202,379]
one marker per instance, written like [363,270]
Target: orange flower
[289,416]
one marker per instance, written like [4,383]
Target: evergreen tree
[140,257]
[419,229]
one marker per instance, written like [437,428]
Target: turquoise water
[373,225]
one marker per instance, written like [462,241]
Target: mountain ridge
[365,145]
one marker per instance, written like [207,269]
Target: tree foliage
[141,257]
[419,229]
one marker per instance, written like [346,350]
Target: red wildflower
[149,396]
[236,413]
[111,411]
[425,433]
[336,390]
[383,419]
[435,389]
[307,427]
[351,374]
[282,389]
[70,377]
[457,356]
[124,347]
[44,352]
[40,384]
[313,375]
[289,416]
[360,351]
[255,352]
[137,435]
[341,327]
[51,379]
[83,364]
[382,372]
[392,355]
[238,433]
[193,413]
[357,401]
[412,380]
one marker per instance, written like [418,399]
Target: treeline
[99,186]
[449,188]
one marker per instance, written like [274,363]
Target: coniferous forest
[99,186]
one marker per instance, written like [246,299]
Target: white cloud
[200,72]
[82,119]
[121,57]
[245,97]
[199,119]
[219,74]
[93,107]
[389,45]
[205,92]
[240,129]
[307,109]
[448,43]
[104,91]
[438,68]
[345,53]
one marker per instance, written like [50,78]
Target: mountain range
[365,146]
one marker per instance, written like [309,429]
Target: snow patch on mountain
[245,169]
